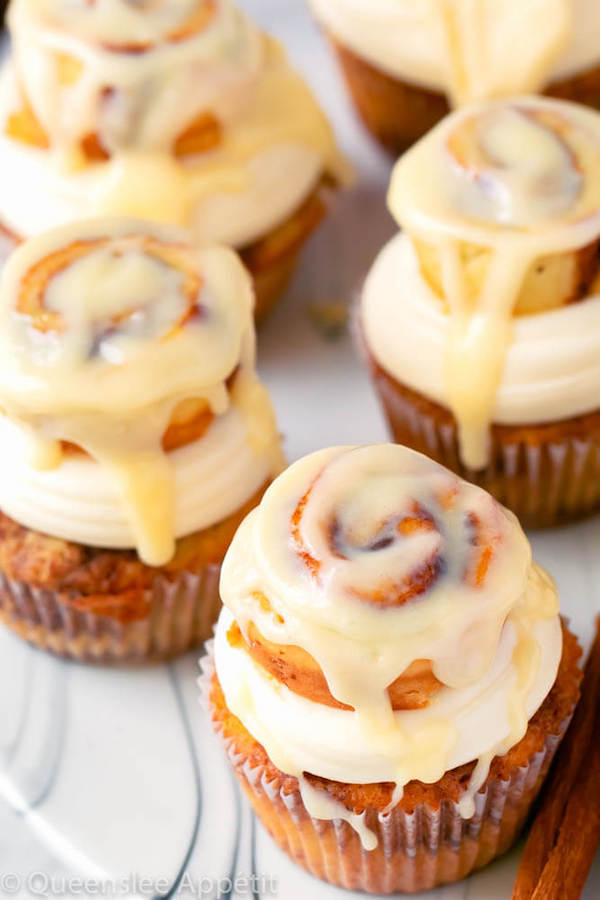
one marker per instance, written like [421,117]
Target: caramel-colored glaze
[299,671]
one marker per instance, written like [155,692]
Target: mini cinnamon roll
[182,113]
[408,62]
[135,436]
[388,653]
[481,322]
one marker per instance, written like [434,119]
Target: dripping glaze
[369,559]
[459,47]
[515,182]
[95,85]
[105,330]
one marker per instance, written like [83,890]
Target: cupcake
[391,677]
[135,437]
[481,320]
[183,113]
[407,61]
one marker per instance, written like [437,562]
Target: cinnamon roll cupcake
[183,113]
[135,437]
[391,677]
[481,320]
[406,62]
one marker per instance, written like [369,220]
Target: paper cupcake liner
[180,614]
[270,284]
[416,851]
[271,277]
[546,475]
[396,112]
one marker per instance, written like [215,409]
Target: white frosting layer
[214,477]
[36,195]
[331,743]
[552,366]
[408,38]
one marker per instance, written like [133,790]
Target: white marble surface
[109,774]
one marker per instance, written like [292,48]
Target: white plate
[115,774]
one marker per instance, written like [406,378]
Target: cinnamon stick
[565,874]
[576,769]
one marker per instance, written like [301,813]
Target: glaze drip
[110,97]
[115,335]
[489,195]
[469,50]
[371,559]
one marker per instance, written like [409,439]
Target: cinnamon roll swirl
[501,211]
[182,113]
[384,625]
[132,416]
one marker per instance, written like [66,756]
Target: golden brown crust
[552,281]
[548,720]
[546,473]
[398,113]
[108,582]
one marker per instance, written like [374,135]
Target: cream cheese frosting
[106,329]
[78,501]
[552,365]
[269,144]
[513,185]
[461,47]
[370,558]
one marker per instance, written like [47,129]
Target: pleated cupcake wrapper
[544,484]
[181,614]
[415,850]
[396,112]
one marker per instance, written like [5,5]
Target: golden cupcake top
[124,341]
[179,112]
[379,602]
[502,205]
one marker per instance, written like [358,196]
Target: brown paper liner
[181,614]
[272,260]
[398,113]
[270,284]
[547,474]
[417,850]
